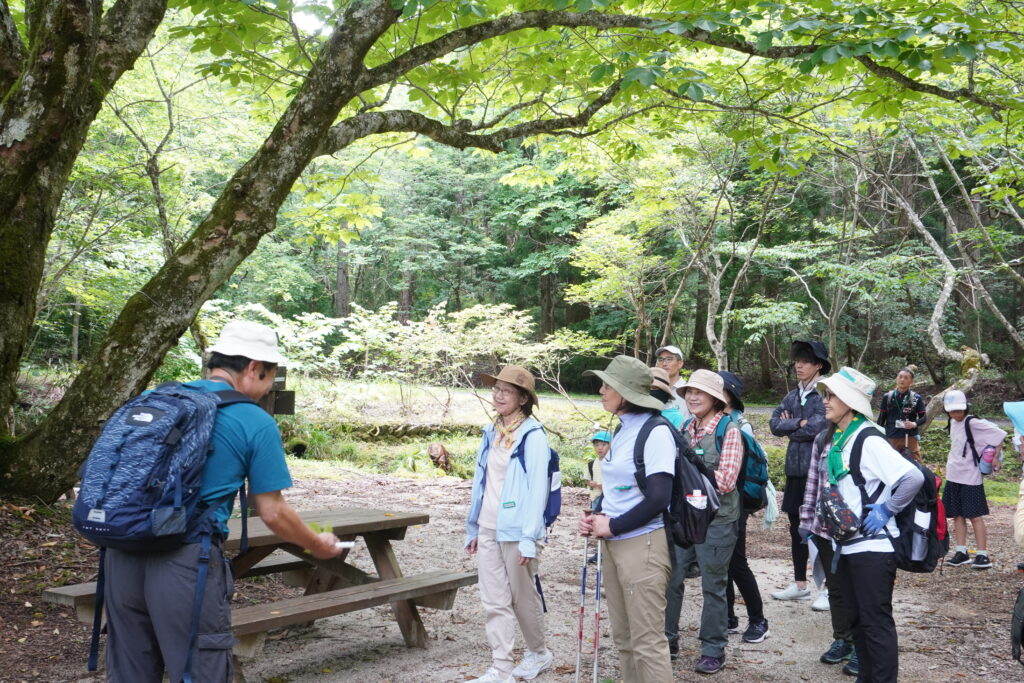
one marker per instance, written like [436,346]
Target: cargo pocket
[214,657]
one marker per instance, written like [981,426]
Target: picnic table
[332,587]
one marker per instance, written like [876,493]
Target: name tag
[698,451]
[624,487]
[509,504]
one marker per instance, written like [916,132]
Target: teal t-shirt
[246,444]
[673,415]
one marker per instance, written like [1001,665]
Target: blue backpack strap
[520,452]
[97,615]
[197,607]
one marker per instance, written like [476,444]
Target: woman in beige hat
[707,400]
[866,569]
[505,526]
[636,557]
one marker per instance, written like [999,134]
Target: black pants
[798,547]
[867,581]
[837,603]
[739,572]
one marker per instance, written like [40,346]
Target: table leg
[405,611]
[243,563]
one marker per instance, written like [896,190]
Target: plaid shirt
[730,456]
[817,482]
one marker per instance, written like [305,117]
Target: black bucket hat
[816,350]
[734,388]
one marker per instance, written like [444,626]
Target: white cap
[670,349]
[853,388]
[954,400]
[249,340]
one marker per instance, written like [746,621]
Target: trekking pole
[597,609]
[583,598]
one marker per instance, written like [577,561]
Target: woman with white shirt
[867,567]
[636,562]
[505,526]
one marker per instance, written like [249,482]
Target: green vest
[729,511]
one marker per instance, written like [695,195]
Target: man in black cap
[800,416]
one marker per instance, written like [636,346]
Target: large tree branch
[905,81]
[403,121]
[128,26]
[471,35]
[12,50]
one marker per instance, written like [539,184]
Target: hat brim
[707,389]
[491,380]
[250,351]
[856,401]
[826,366]
[636,398]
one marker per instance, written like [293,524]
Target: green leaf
[764,40]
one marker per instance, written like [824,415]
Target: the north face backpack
[554,504]
[923,540]
[141,481]
[753,476]
[694,495]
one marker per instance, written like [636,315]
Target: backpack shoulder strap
[855,455]
[520,452]
[970,438]
[227,397]
[638,449]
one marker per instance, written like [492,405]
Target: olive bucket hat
[631,378]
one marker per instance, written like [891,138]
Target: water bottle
[988,455]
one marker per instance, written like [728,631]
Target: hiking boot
[820,603]
[852,667]
[793,593]
[756,631]
[693,571]
[958,559]
[840,651]
[493,676]
[981,562]
[709,665]
[733,626]
[533,664]
[673,650]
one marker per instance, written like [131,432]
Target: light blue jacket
[524,494]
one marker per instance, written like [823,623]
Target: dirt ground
[952,625]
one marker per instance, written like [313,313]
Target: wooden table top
[342,521]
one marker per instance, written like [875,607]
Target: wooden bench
[436,589]
[82,596]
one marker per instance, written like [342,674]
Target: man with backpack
[901,413]
[150,596]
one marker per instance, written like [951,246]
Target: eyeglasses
[665,360]
[503,391]
[826,395]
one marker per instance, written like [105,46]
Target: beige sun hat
[249,340]
[513,374]
[853,388]
[660,380]
[709,382]
[631,378]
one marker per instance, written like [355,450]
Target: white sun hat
[249,340]
[853,388]
[954,400]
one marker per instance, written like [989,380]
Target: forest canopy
[393,183]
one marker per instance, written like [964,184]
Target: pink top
[960,466]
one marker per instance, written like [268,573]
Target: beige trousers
[635,573]
[509,595]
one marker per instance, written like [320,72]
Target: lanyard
[836,470]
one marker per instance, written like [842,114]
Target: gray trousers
[149,603]
[713,558]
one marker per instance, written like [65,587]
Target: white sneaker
[793,593]
[820,603]
[533,664]
[493,676]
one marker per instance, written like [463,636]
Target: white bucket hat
[249,340]
[853,388]
[708,382]
[954,400]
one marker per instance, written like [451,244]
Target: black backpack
[923,541]
[694,492]
[1017,628]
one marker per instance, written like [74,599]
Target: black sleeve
[883,410]
[655,502]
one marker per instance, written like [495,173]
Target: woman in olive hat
[636,559]
[505,526]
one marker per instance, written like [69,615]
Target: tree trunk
[405,297]
[547,304]
[43,464]
[76,321]
[342,292]
[700,349]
